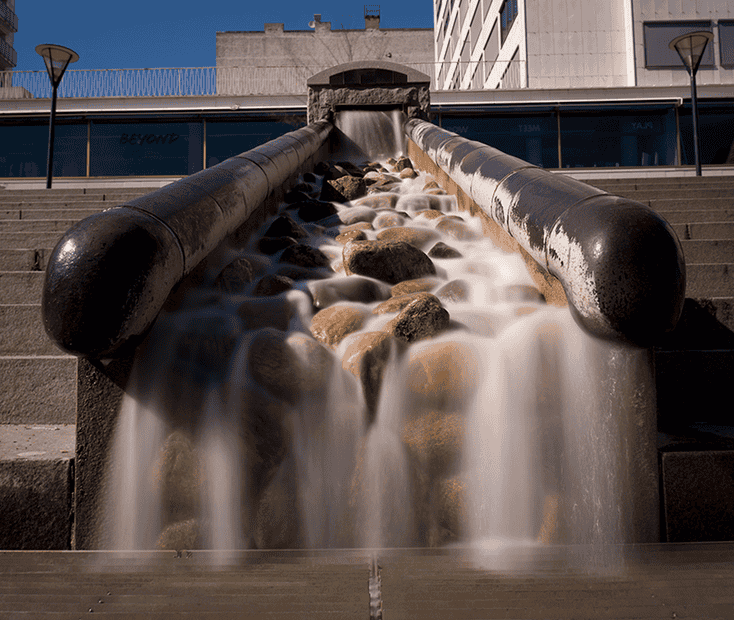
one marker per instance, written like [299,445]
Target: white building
[8,28]
[509,44]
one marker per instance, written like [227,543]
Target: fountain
[359,393]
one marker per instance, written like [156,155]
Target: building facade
[488,44]
[8,28]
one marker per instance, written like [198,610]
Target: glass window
[715,133]
[508,13]
[153,148]
[532,137]
[614,137]
[658,36]
[726,43]
[225,139]
[25,149]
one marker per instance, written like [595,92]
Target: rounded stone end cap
[106,281]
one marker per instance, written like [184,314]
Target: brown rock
[455,291]
[423,317]
[456,229]
[366,358]
[408,173]
[272,364]
[180,536]
[395,304]
[436,439]
[272,285]
[332,324]
[356,214]
[257,313]
[418,237]
[344,189]
[353,288]
[429,214]
[431,184]
[303,255]
[442,376]
[387,219]
[178,478]
[452,512]
[381,201]
[388,261]
[441,250]
[315,363]
[522,293]
[352,235]
[402,163]
[419,285]
[276,516]
[235,276]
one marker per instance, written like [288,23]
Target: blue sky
[163,33]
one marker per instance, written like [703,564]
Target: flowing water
[511,429]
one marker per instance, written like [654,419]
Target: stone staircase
[38,382]
[695,364]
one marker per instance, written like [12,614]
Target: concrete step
[29,240]
[708,250]
[40,389]
[24,260]
[22,332]
[21,287]
[686,216]
[664,205]
[705,230]
[48,214]
[29,226]
[710,280]
[36,486]
[633,184]
[667,193]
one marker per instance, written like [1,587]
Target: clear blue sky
[163,33]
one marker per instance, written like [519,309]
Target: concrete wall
[286,58]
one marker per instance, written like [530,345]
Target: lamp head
[690,48]
[57,58]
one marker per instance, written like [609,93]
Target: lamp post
[57,58]
[690,48]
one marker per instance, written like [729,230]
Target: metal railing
[9,54]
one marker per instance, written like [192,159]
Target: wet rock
[381,201]
[418,237]
[419,285]
[389,261]
[382,187]
[428,214]
[351,168]
[272,245]
[408,173]
[443,375]
[178,478]
[388,219]
[484,324]
[343,189]
[272,364]
[435,438]
[357,214]
[316,363]
[352,288]
[522,293]
[402,163]
[441,250]
[303,255]
[272,285]
[431,184]
[295,195]
[235,276]
[310,178]
[423,317]
[297,274]
[451,499]
[332,324]
[276,516]
[352,235]
[366,358]
[395,304]
[456,291]
[314,210]
[180,536]
[456,229]
[285,226]
[257,313]
[435,192]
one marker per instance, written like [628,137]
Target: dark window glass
[715,133]
[25,148]
[658,36]
[225,139]
[508,13]
[131,149]
[615,137]
[726,43]
[532,138]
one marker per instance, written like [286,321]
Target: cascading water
[506,428]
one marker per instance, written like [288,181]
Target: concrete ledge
[24,260]
[22,333]
[36,478]
[21,287]
[38,390]
[710,280]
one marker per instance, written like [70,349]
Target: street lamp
[57,58]
[690,48]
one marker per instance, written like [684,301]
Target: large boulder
[423,317]
[419,237]
[352,288]
[389,261]
[235,276]
[334,323]
[285,226]
[270,285]
[441,250]
[343,189]
[303,255]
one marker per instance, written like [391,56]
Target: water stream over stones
[370,373]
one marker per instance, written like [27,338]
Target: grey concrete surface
[710,280]
[22,333]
